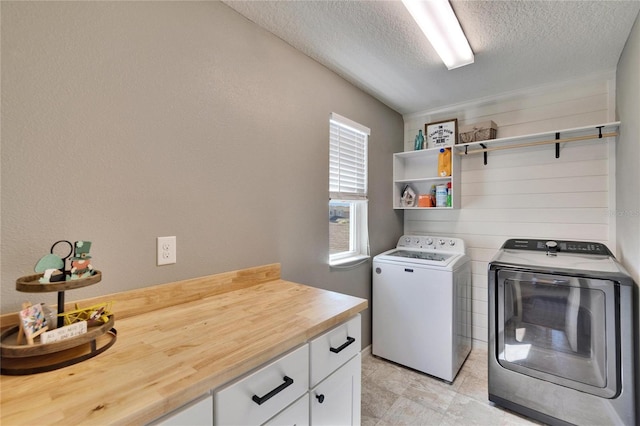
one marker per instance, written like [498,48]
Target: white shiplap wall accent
[527,192]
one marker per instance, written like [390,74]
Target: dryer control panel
[581,247]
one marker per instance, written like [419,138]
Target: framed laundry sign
[441,133]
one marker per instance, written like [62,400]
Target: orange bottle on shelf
[444,162]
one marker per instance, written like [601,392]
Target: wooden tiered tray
[37,358]
[30,283]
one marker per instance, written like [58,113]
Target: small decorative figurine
[80,263]
[54,267]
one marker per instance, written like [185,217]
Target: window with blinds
[348,233]
[347,162]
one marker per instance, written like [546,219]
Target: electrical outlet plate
[166,250]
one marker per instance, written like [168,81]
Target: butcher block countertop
[176,342]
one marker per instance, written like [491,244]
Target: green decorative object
[49,261]
[51,266]
[80,263]
[82,249]
[54,268]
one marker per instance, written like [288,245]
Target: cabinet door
[198,413]
[336,401]
[297,414]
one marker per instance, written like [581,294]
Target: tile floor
[395,395]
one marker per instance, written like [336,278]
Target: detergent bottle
[444,162]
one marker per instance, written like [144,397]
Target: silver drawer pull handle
[288,381]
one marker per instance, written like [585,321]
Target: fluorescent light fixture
[438,22]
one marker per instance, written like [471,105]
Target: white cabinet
[335,375]
[336,400]
[316,384]
[419,170]
[256,398]
[334,348]
[295,415]
[196,413]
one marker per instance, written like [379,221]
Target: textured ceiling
[517,44]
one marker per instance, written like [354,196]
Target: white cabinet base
[336,400]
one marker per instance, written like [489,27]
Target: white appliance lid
[422,255]
[582,262]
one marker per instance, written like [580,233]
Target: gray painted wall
[627,172]
[125,121]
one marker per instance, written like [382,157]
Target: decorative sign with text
[62,333]
[442,133]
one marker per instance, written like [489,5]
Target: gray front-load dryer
[561,333]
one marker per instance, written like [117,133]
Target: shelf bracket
[599,131]
[484,153]
[466,147]
[557,145]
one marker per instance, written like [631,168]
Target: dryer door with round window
[558,328]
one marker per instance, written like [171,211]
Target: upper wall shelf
[552,137]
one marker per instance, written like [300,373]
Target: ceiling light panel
[438,22]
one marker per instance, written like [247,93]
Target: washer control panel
[435,243]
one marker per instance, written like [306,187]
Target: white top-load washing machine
[421,305]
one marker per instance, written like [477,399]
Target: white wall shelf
[419,169]
[599,131]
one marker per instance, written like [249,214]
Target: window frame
[357,198]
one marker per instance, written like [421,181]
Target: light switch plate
[166,250]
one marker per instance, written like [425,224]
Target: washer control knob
[552,248]
[441,242]
[429,241]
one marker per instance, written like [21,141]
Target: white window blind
[347,159]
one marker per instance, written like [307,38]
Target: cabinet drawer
[197,413]
[256,398]
[333,348]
